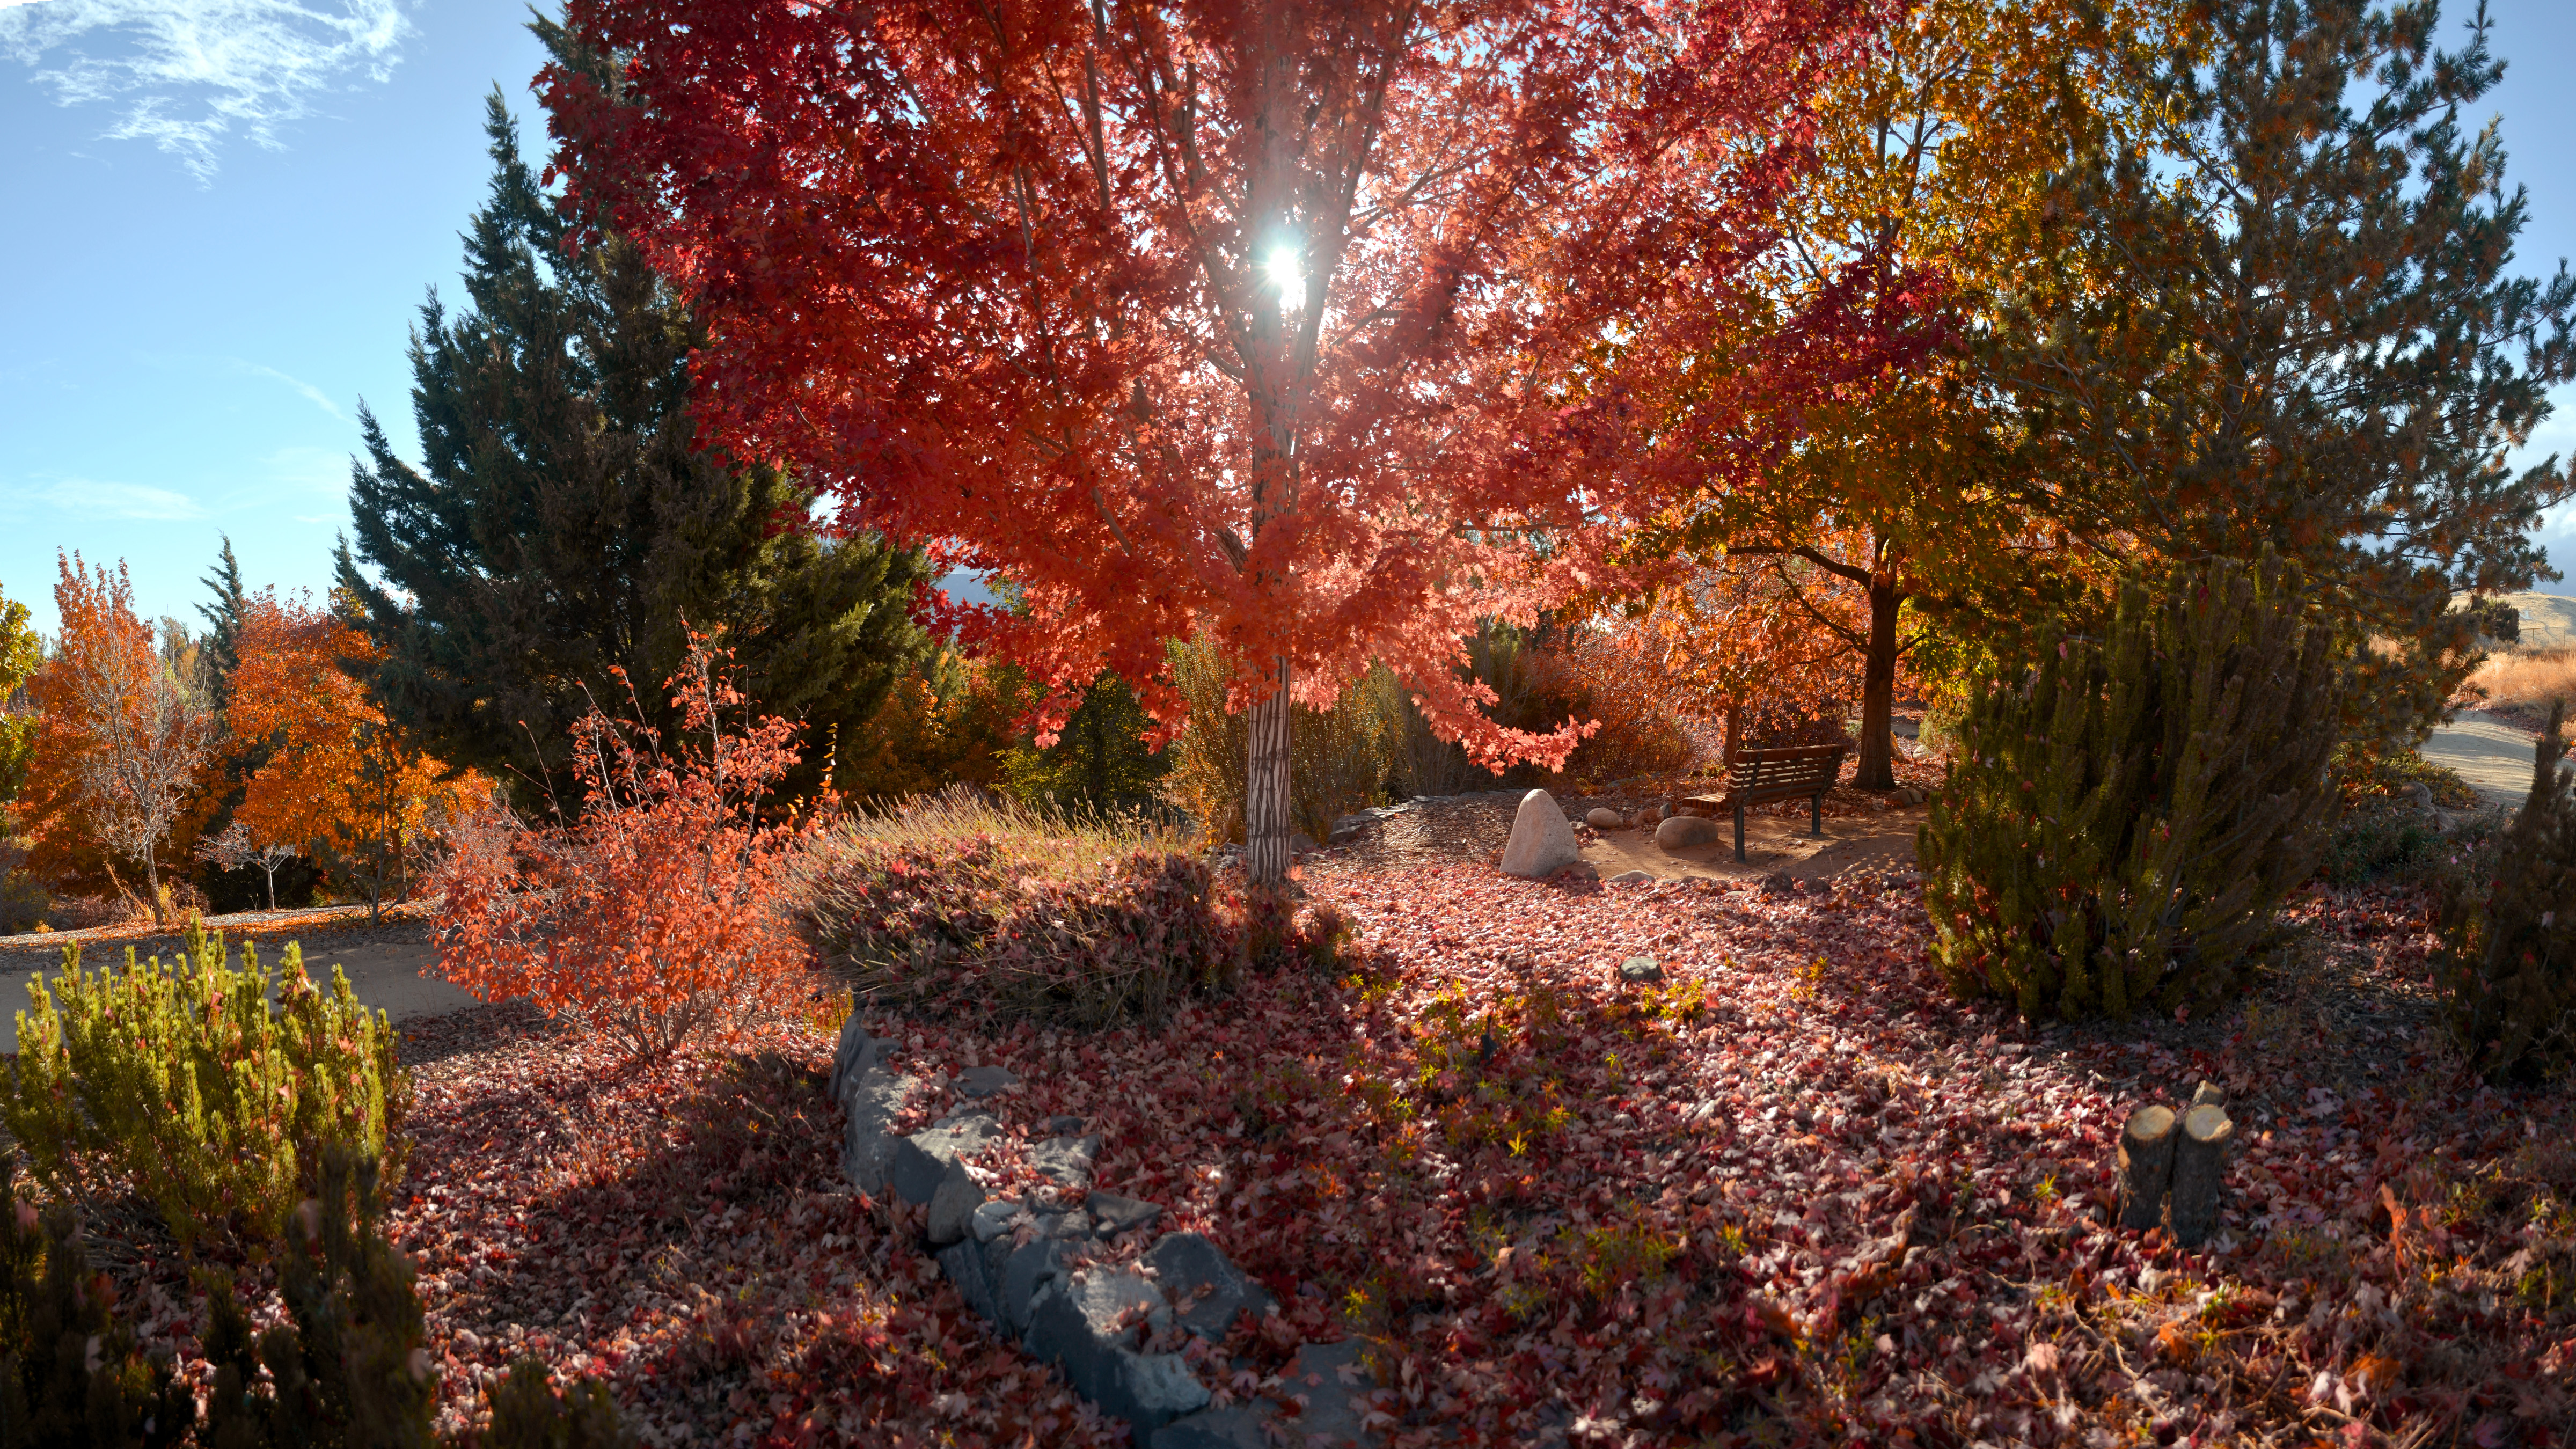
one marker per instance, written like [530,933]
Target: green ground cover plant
[186,1083]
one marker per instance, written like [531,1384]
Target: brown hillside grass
[2525,680]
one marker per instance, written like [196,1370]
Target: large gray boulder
[921,1161]
[1542,842]
[1684,831]
[1092,1326]
[953,1206]
[1188,1266]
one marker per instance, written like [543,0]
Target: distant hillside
[2548,621]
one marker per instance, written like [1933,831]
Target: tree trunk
[2200,1166]
[1734,731]
[2146,1164]
[152,883]
[1265,790]
[1878,688]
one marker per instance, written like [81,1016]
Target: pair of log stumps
[2171,1166]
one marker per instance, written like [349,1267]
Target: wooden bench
[1759,776]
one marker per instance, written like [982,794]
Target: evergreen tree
[565,524]
[22,653]
[2121,823]
[2507,965]
[223,622]
[2288,321]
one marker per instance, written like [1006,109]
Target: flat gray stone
[1640,970]
[953,1205]
[985,1081]
[1065,1126]
[1684,831]
[852,1056]
[1192,1272]
[868,1147]
[1073,1225]
[921,1160]
[992,1219]
[1542,843]
[1333,1417]
[1066,1161]
[1112,1214]
[1092,1327]
[1631,877]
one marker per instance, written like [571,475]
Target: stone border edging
[1021,1265]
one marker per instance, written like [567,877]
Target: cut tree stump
[2199,1167]
[2146,1165]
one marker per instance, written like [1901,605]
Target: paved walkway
[388,976]
[2490,754]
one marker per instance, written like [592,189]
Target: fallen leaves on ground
[1791,1193]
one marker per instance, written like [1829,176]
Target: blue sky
[222,215]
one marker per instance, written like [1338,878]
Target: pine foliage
[2120,825]
[565,521]
[2509,958]
[70,1374]
[349,1368]
[187,1084]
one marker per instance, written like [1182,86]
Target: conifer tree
[223,623]
[565,524]
[2290,320]
[2508,962]
[2121,822]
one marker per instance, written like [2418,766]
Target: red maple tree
[1321,328]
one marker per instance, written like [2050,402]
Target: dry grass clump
[1042,840]
[2525,679]
[958,907]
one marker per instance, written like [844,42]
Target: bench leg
[1816,811]
[1739,834]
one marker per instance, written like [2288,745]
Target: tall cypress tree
[565,522]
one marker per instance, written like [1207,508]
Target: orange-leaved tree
[1768,638]
[651,913]
[1284,326]
[338,779]
[122,729]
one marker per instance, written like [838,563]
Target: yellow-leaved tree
[1922,485]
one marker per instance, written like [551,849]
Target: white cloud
[312,394]
[186,74]
[121,500]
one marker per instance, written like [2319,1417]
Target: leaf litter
[1791,1193]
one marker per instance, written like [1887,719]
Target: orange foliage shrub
[1615,677]
[338,778]
[655,912]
